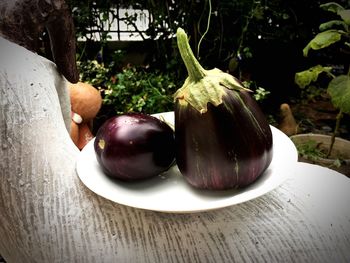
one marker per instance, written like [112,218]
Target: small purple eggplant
[223,139]
[134,146]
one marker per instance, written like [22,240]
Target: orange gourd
[86,102]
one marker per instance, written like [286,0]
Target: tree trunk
[48,215]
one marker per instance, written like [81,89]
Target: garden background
[127,49]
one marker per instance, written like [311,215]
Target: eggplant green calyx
[202,86]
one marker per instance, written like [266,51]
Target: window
[121,24]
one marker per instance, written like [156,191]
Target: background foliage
[260,42]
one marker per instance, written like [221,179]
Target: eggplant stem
[195,71]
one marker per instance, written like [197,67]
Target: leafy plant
[131,89]
[259,92]
[136,89]
[315,151]
[331,32]
[311,150]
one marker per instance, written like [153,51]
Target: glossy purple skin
[134,146]
[227,147]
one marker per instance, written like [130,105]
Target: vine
[206,30]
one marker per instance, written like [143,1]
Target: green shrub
[132,89]
[135,89]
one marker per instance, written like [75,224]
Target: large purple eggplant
[134,146]
[223,139]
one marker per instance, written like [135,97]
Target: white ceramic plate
[169,192]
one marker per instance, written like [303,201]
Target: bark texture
[24,21]
[48,215]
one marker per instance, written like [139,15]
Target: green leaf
[322,40]
[339,10]
[304,78]
[345,15]
[339,90]
[331,24]
[332,7]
